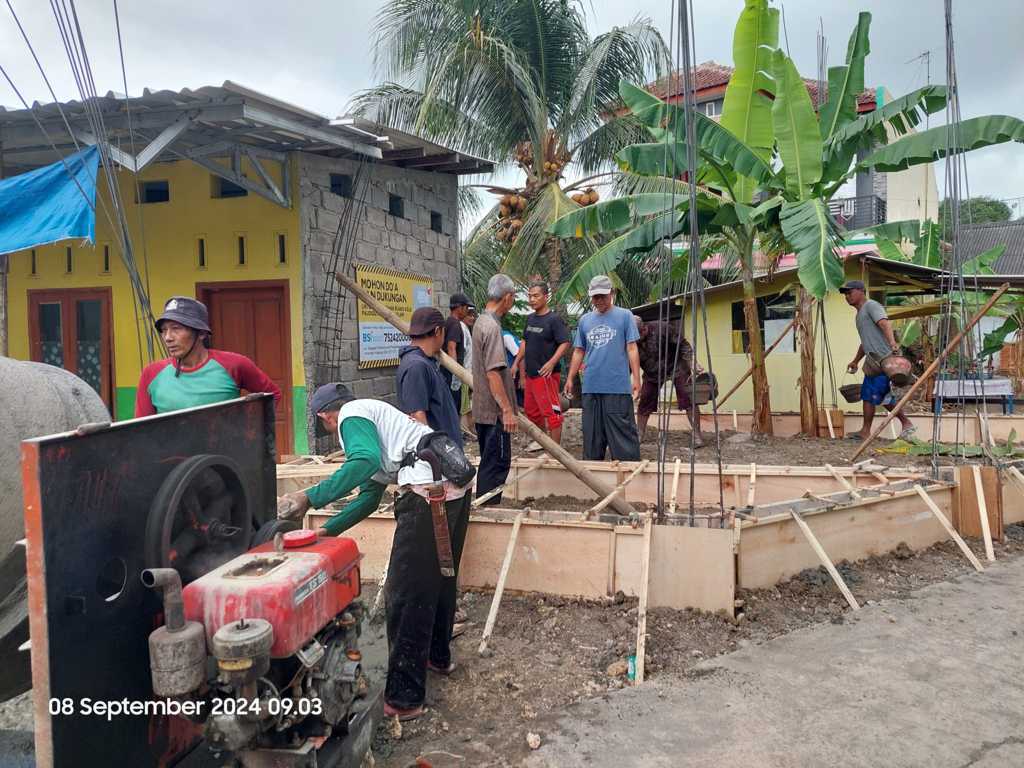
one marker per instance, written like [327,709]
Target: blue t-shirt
[604,338]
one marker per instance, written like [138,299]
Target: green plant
[524,84]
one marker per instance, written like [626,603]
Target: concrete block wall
[376,237]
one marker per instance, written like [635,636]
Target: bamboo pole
[675,488]
[828,419]
[932,368]
[617,491]
[557,452]
[750,370]
[752,485]
[930,503]
[499,588]
[844,482]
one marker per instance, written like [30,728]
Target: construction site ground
[736,448]
[555,665]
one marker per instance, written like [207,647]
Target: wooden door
[72,329]
[252,319]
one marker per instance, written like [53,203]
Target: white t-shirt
[399,435]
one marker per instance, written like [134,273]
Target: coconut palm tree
[523,83]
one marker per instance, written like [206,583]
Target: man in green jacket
[379,442]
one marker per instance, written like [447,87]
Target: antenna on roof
[822,64]
[785,29]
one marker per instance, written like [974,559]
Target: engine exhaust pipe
[177,650]
[169,582]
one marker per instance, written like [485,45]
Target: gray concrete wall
[406,244]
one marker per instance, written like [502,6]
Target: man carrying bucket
[877,342]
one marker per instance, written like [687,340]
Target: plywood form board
[773,550]
[690,567]
[1012,502]
[965,516]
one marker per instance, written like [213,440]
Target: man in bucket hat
[194,374]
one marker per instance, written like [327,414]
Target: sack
[451,459]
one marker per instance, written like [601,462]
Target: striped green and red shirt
[221,377]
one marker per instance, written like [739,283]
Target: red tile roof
[712,75]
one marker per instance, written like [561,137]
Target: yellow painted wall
[166,238]
[783,367]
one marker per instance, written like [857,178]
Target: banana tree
[775,148]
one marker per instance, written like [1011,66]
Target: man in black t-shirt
[454,344]
[545,341]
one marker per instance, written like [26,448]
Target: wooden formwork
[849,512]
[953,428]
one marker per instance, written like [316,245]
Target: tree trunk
[805,338]
[553,252]
[762,423]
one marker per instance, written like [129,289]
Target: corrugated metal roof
[978,238]
[229,112]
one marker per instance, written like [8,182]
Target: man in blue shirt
[605,345]
[422,391]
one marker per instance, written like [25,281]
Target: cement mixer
[35,399]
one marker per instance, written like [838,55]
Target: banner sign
[402,293]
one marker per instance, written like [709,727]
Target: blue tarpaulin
[54,203]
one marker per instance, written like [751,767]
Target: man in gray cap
[384,446]
[606,347]
[877,341]
[194,374]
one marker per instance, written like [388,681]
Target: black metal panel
[94,493]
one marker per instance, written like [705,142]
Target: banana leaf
[812,232]
[747,112]
[845,83]
[611,215]
[797,134]
[928,146]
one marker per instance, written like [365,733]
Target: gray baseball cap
[325,396]
[852,285]
[601,285]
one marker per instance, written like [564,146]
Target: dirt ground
[737,448]
[548,653]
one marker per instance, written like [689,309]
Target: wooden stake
[1016,476]
[641,616]
[499,588]
[378,600]
[823,557]
[979,489]
[557,452]
[844,482]
[616,491]
[752,487]
[501,488]
[675,488]
[735,421]
[750,370]
[828,419]
[949,528]
[932,368]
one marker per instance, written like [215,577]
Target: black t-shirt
[543,334]
[453,332]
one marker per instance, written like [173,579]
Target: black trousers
[610,424]
[495,459]
[420,601]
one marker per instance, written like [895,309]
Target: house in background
[245,202]
[872,198]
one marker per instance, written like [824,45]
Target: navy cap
[459,300]
[325,396]
[187,311]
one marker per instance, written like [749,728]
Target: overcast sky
[317,54]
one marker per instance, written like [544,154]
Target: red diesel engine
[281,623]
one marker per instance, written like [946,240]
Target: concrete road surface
[935,681]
